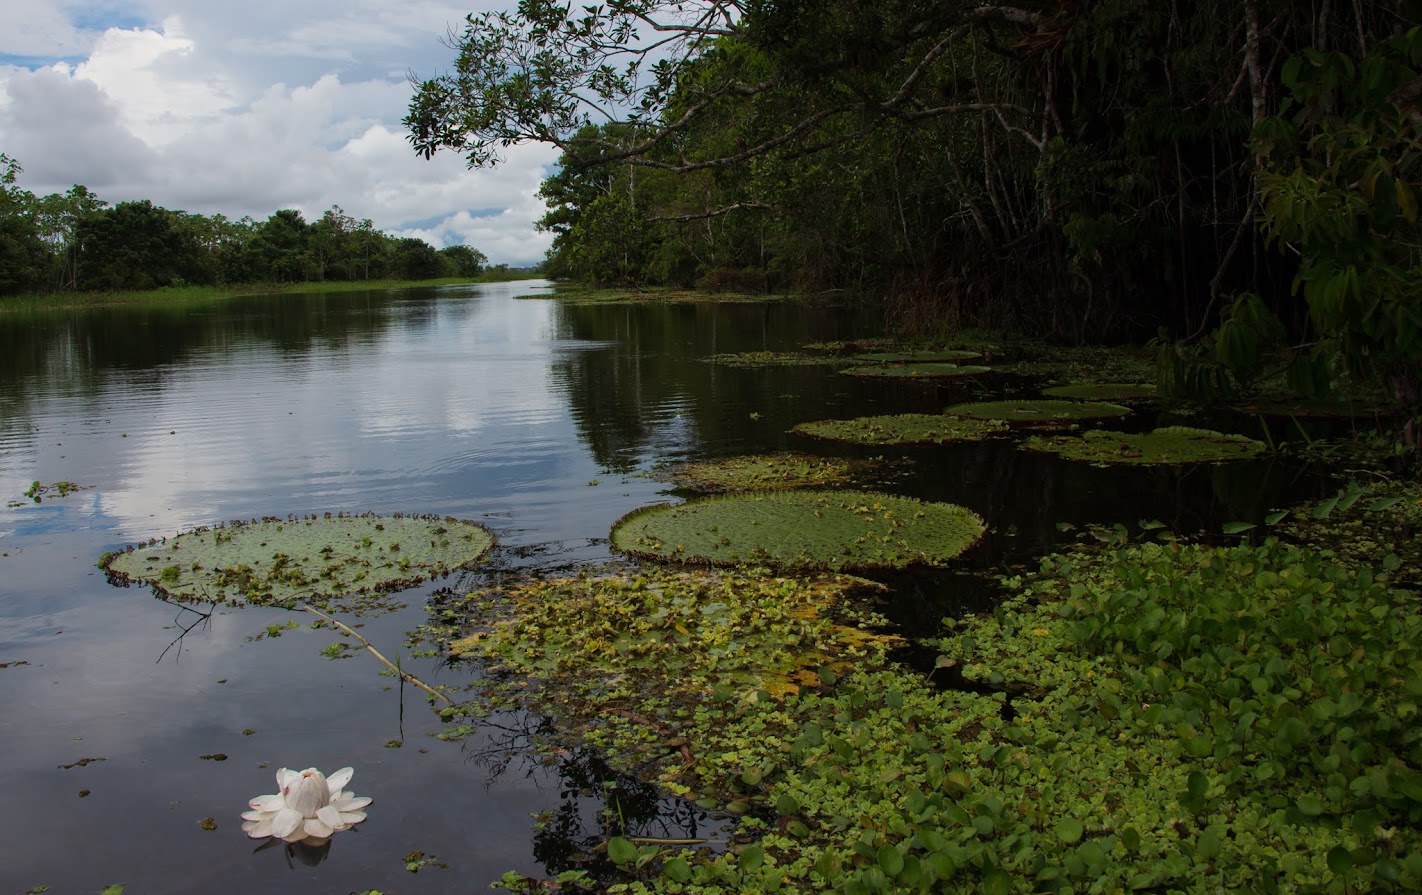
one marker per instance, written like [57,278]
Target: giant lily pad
[1038,411]
[904,428]
[1171,445]
[916,371]
[1102,391]
[840,530]
[770,359]
[939,356]
[310,558]
[762,472]
[678,634]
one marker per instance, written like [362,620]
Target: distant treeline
[78,242]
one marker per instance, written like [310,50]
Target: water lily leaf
[890,860]
[310,558]
[1037,411]
[801,530]
[925,356]
[763,472]
[904,428]
[916,371]
[1167,446]
[751,859]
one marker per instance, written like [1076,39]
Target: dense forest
[77,241]
[1240,176]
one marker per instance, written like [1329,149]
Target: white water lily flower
[310,808]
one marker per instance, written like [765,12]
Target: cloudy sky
[242,108]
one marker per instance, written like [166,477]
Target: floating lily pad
[1038,411]
[904,428]
[770,359]
[310,558]
[1171,445]
[898,357]
[840,530]
[763,472]
[1103,391]
[850,345]
[679,634]
[917,371]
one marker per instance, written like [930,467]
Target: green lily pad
[904,428]
[1102,391]
[917,371]
[950,355]
[310,558]
[763,472]
[1171,445]
[840,530]
[1038,411]
[770,359]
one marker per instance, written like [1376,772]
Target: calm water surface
[536,418]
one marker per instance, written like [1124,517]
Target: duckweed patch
[763,472]
[594,641]
[843,531]
[1170,445]
[312,558]
[770,359]
[905,428]
[916,371]
[1103,391]
[1038,411]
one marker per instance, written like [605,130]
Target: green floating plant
[916,371]
[840,530]
[1038,410]
[925,356]
[904,428]
[309,558]
[763,472]
[770,359]
[1171,445]
[1103,391]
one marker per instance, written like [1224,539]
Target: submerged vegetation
[312,558]
[840,530]
[903,428]
[1168,445]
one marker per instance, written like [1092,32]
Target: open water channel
[537,418]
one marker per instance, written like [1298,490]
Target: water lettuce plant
[1103,391]
[916,371]
[904,428]
[763,472]
[1170,445]
[840,530]
[1041,410]
[308,558]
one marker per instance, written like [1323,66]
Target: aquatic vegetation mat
[924,356]
[763,472]
[1103,391]
[680,634]
[1172,444]
[770,359]
[904,428]
[1373,525]
[840,530]
[312,558]
[1038,411]
[916,371]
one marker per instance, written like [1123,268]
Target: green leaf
[1208,845]
[751,859]
[1311,805]
[115,889]
[1070,830]
[890,861]
[996,882]
[1275,518]
[787,805]
[1234,528]
[621,851]
[1340,860]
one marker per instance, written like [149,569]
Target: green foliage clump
[1038,411]
[1168,445]
[311,558]
[1374,526]
[917,371]
[763,472]
[904,428]
[840,530]
[1102,391]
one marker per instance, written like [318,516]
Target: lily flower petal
[285,822]
[268,803]
[315,828]
[339,779]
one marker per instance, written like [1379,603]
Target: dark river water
[538,419]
